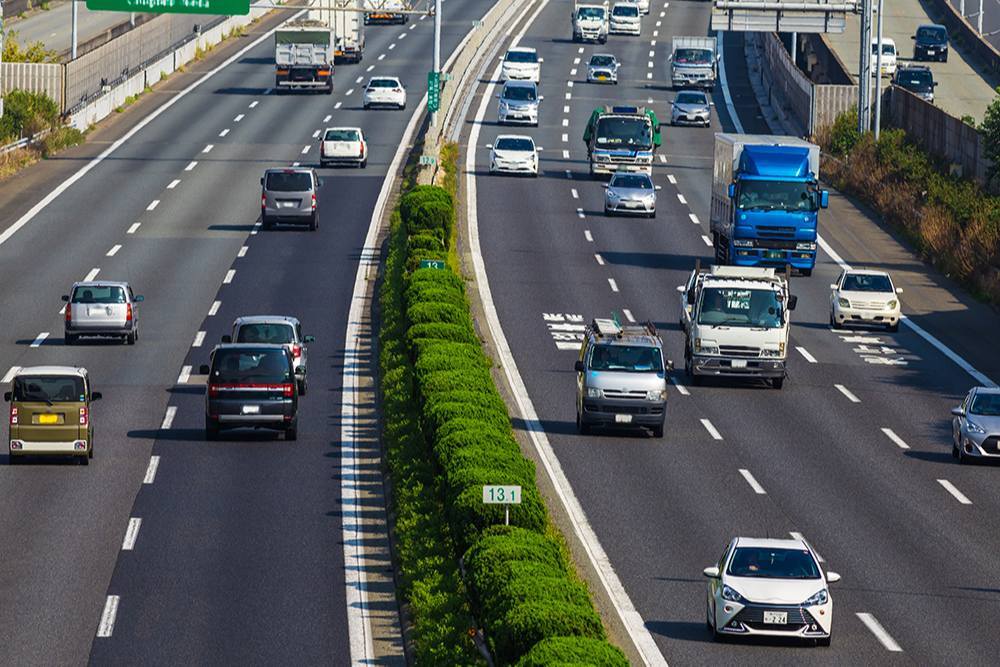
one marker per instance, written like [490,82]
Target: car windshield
[283,181]
[634,133]
[590,13]
[519,93]
[265,333]
[693,56]
[887,49]
[602,61]
[778,196]
[383,83]
[626,359]
[920,80]
[987,405]
[521,57]
[625,10]
[99,294]
[738,307]
[511,144]
[865,282]
[49,388]
[690,97]
[249,365]
[932,35]
[767,563]
[637,181]
[341,135]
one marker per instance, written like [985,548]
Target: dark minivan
[931,43]
[251,386]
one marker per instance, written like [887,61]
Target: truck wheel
[329,89]
[292,433]
[581,427]
[131,338]
[778,383]
[313,225]
[70,339]
[83,460]
[806,272]
[658,431]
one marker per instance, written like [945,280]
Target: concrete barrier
[45,78]
[960,30]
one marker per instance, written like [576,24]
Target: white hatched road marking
[168,418]
[230,274]
[847,392]
[224,132]
[953,490]
[754,484]
[613,284]
[131,533]
[107,624]
[114,250]
[154,464]
[712,431]
[153,204]
[184,375]
[199,338]
[93,274]
[876,629]
[628,314]
[805,353]
[799,536]
[191,165]
[214,309]
[9,375]
[174,183]
[135,226]
[889,433]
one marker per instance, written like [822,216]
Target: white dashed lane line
[712,431]
[663,158]
[316,134]
[107,624]
[174,183]
[889,433]
[649,64]
[381,56]
[224,132]
[876,629]
[238,118]
[295,164]
[214,309]
[153,204]
[243,251]
[566,108]
[326,119]
[681,198]
[569,96]
[359,79]
[134,228]
[680,388]
[651,54]
[253,104]
[953,490]
[565,155]
[613,284]
[672,179]
[93,274]
[305,149]
[39,339]
[576,61]
[694,218]
[168,418]
[9,375]
[576,195]
[847,392]
[199,339]
[572,72]
[337,105]
[600,260]
[191,165]
[565,122]
[580,50]
[649,75]
[184,375]
[154,464]
[805,353]
[587,235]
[628,314]
[392,46]
[131,533]
[208,148]
[230,274]
[569,84]
[114,250]
[707,240]
[754,484]
[565,137]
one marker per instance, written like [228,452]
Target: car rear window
[249,365]
[932,34]
[383,83]
[99,294]
[265,333]
[49,388]
[341,135]
[511,144]
[285,181]
[768,563]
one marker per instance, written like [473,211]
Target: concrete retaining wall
[36,77]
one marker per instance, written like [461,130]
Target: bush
[436,292]
[432,216]
[26,113]
[442,278]
[425,313]
[573,650]
[420,194]
[443,355]
[472,425]
[467,379]
[487,560]
[424,242]
[459,445]
[844,134]
[61,138]
[455,333]
[34,53]
[440,414]
[470,516]
[529,623]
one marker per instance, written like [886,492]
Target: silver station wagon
[101,308]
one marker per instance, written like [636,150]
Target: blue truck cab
[765,201]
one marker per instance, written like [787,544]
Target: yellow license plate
[48,419]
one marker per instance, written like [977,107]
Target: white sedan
[343,145]
[514,154]
[384,91]
[865,297]
[770,587]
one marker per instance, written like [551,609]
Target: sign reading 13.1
[224,7]
[502,495]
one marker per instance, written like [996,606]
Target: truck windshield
[249,365]
[932,35]
[626,359]
[737,307]
[49,388]
[693,57]
[590,13]
[778,195]
[631,132]
[625,10]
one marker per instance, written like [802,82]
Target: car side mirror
[958,412]
[913,36]
[680,288]
[579,367]
[670,365]
[498,96]
[935,84]
[833,286]
[309,339]
[204,369]
[139,299]
[824,198]
[541,60]
[732,190]
[262,180]
[490,146]
[541,97]
[65,297]
[792,301]
[605,185]
[711,104]
[832,577]
[713,572]
[899,290]
[227,339]
[96,395]
[6,396]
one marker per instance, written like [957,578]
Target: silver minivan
[518,103]
[289,196]
[276,330]
[101,308]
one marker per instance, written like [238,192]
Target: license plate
[605,76]
[286,204]
[930,52]
[251,409]
[48,419]
[632,204]
[623,419]
[739,363]
[774,254]
[776,617]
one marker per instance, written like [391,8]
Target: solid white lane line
[9,375]
[154,463]
[613,284]
[208,148]
[889,433]
[168,418]
[876,629]
[316,134]
[694,218]
[199,338]
[754,484]
[681,198]
[243,251]
[799,536]
[230,274]
[131,533]
[805,353]
[107,624]
[326,119]
[600,260]
[184,375]
[847,392]
[238,118]
[576,195]
[305,149]
[214,309]
[39,339]
[733,116]
[953,490]
[712,431]
[628,314]
[359,79]
[224,132]
[680,388]
[191,165]
[93,274]
[673,181]
[114,250]
[135,226]
[579,213]
[587,235]
[707,240]
[565,154]
[153,204]
[337,105]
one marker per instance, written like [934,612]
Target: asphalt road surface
[864,473]
[52,27]
[239,555]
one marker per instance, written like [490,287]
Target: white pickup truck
[590,22]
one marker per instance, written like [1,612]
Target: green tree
[35,52]
[990,129]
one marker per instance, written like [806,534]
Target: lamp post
[76,12]
[865,68]
[878,74]
[437,53]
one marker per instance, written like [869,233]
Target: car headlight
[743,243]
[656,395]
[892,304]
[973,427]
[613,196]
[843,303]
[819,597]
[594,392]
[805,246]
[706,347]
[770,353]
[731,594]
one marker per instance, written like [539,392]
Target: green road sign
[227,7]
[428,160]
[431,264]
[433,91]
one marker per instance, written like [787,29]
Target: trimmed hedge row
[531,606]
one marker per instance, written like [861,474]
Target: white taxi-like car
[863,296]
[343,145]
[770,587]
[514,154]
[384,91]
[521,64]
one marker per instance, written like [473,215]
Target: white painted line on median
[579,213]
[880,634]
[889,433]
[214,309]
[224,132]
[681,198]
[93,274]
[168,418]
[107,624]
[326,119]
[243,251]
[680,388]
[565,154]
[847,392]
[672,179]
[114,250]
[305,149]
[191,165]
[754,484]
[199,338]
[184,375]
[707,240]
[337,105]
[953,490]
[153,204]
[805,353]
[576,195]
[238,118]
[628,314]
[587,235]
[694,218]
[154,464]
[230,274]
[131,533]
[208,148]
[9,375]
[712,431]
[613,284]
[39,339]
[135,226]
[799,536]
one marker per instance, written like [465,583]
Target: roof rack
[610,327]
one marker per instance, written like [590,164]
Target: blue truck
[765,201]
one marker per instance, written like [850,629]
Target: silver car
[518,103]
[691,107]
[630,192]
[602,68]
[101,308]
[289,196]
[976,425]
[276,330]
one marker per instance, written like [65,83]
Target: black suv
[931,43]
[918,79]
[251,386]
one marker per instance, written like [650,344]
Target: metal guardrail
[24,142]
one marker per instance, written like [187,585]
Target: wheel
[13,460]
[303,385]
[954,448]
[651,215]
[658,431]
[833,322]
[329,89]
[402,106]
[90,454]
[292,432]
[130,338]
[70,339]
[806,272]
[366,106]
[313,223]
[962,458]
[211,430]
[266,222]
[581,427]
[824,641]
[607,211]
[83,460]
[778,383]
[364,163]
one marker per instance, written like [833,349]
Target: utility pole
[76,12]
[1,60]
[878,73]
[865,68]
[437,52]
[979,18]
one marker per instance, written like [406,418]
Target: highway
[52,27]
[854,452]
[238,555]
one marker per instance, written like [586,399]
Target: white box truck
[693,62]
[590,22]
[349,28]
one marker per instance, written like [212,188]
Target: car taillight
[314,202]
[263,201]
[13,414]
[83,416]
[287,390]
[128,312]
[362,150]
[322,148]
[296,351]
[213,391]
[397,90]
[69,313]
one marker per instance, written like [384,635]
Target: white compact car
[521,64]
[889,54]
[643,6]
[343,145]
[625,19]
[865,297]
[384,91]
[514,154]
[770,587]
